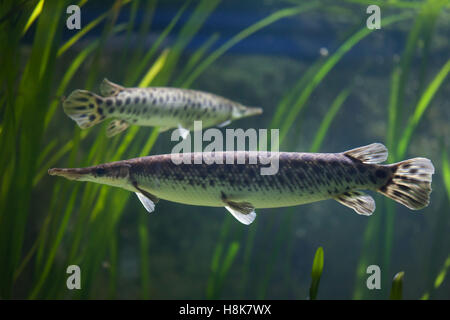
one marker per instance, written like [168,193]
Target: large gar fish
[156,106]
[240,188]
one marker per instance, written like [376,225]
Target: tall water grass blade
[273,259]
[143,32]
[328,119]
[198,17]
[36,80]
[397,287]
[421,107]
[289,98]
[144,256]
[316,273]
[441,276]
[222,270]
[326,68]
[284,13]
[34,15]
[211,288]
[55,245]
[135,73]
[83,31]
[154,70]
[446,172]
[196,58]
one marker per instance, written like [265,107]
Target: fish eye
[100,171]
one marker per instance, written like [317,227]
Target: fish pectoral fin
[148,204]
[223,124]
[109,89]
[372,153]
[115,127]
[244,212]
[147,199]
[183,132]
[360,202]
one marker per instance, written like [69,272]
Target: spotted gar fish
[156,106]
[240,188]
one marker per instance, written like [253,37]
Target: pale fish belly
[212,197]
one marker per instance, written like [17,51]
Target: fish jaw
[241,111]
[112,174]
[70,173]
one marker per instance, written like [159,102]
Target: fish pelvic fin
[410,184]
[240,212]
[372,153]
[359,201]
[85,108]
[116,127]
[109,89]
[244,212]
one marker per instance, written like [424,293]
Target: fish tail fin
[410,184]
[85,108]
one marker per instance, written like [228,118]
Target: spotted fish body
[301,178]
[156,106]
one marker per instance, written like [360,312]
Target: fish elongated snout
[253,112]
[242,112]
[69,173]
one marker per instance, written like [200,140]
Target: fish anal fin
[115,127]
[372,153]
[360,202]
[109,89]
[244,212]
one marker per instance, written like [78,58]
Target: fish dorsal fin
[244,212]
[109,89]
[148,204]
[359,201]
[372,153]
[115,127]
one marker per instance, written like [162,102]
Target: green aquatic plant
[316,273]
[398,140]
[436,282]
[397,287]
[81,208]
[46,225]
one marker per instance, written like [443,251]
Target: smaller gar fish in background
[155,106]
